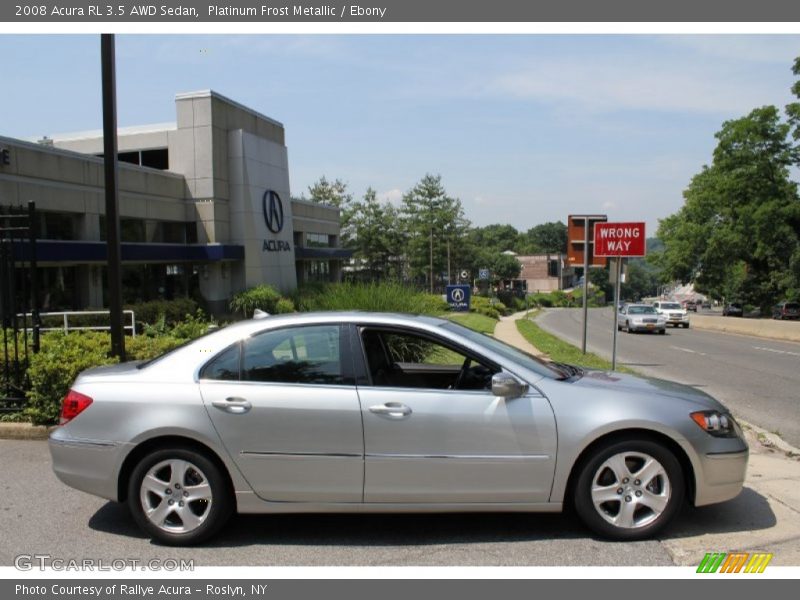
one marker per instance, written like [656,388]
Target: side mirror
[507,386]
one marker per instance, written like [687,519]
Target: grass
[474,321]
[560,351]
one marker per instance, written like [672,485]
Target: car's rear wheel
[178,496]
[629,490]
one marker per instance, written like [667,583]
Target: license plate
[651,326]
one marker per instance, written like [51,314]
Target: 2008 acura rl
[367,412]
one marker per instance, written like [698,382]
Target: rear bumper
[722,477]
[87,465]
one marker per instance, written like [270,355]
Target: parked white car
[676,315]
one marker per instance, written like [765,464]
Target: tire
[628,327]
[662,331]
[184,473]
[654,501]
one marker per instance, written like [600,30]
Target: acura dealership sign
[273,211]
[272,207]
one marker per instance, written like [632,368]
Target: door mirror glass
[507,386]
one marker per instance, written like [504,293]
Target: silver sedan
[641,317]
[367,412]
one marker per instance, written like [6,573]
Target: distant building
[204,209]
[545,272]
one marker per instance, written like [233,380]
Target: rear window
[792,306]
[671,305]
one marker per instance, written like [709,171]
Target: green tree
[504,266]
[377,238]
[335,193]
[547,237]
[435,227]
[738,234]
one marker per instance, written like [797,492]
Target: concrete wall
[766,328]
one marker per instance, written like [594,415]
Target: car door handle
[391,409]
[236,406]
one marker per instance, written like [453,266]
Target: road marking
[777,351]
[688,350]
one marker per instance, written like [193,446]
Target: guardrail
[66,327]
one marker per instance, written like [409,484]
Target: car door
[435,433]
[285,405]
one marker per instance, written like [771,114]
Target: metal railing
[66,327]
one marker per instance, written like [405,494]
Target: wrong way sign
[619,239]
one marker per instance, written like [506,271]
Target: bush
[173,310]
[374,296]
[262,297]
[143,347]
[284,305]
[55,367]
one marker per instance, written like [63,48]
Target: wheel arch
[168,441]
[631,434]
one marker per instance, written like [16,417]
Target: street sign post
[617,241]
[579,248]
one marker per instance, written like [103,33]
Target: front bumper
[647,326]
[722,476]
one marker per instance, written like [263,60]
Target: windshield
[641,310]
[671,306]
[528,361]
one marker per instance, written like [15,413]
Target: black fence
[19,308]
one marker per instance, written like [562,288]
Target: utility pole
[112,195]
[431,263]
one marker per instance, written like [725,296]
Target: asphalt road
[40,515]
[758,379]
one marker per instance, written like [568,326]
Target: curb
[24,431]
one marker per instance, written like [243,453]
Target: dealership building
[204,204]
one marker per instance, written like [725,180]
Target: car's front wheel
[178,496]
[629,489]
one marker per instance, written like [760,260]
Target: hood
[647,386]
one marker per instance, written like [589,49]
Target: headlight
[716,423]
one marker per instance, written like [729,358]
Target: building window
[319,270]
[57,226]
[318,240]
[156,158]
[130,230]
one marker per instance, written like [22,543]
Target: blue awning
[87,252]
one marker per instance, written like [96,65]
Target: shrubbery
[173,311]
[262,297]
[63,356]
[379,297]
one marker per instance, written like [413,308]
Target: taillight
[74,403]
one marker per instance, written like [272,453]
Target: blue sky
[523,128]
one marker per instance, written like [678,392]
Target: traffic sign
[465,274]
[458,297]
[483,274]
[619,239]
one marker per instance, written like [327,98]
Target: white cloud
[393,196]
[777,49]
[608,83]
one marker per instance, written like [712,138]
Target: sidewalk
[765,517]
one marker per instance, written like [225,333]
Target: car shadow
[749,511]
[365,529]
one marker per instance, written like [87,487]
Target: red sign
[619,239]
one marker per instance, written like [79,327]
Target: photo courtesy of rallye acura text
[368,412]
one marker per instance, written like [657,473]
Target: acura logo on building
[273,211]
